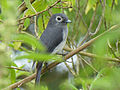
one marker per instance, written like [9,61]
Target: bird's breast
[62,44]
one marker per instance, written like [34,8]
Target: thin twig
[89,65]
[100,21]
[113,2]
[108,42]
[117,45]
[21,26]
[105,24]
[83,20]
[73,65]
[70,69]
[77,66]
[82,65]
[23,7]
[90,26]
[41,11]
[17,68]
[94,55]
[43,22]
[77,21]
[35,21]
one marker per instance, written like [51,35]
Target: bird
[53,38]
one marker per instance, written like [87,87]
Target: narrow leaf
[39,57]
[30,40]
[12,76]
[29,6]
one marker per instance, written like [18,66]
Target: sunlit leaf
[19,74]
[42,23]
[67,86]
[90,5]
[109,80]
[29,6]
[39,56]
[30,40]
[116,2]
[41,87]
[27,22]
[12,76]
[17,45]
[38,6]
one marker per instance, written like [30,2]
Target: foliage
[97,69]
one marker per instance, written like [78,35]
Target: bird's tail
[39,69]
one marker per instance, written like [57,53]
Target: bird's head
[58,20]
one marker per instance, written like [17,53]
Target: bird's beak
[68,21]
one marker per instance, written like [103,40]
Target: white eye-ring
[59,19]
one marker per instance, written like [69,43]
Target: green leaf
[73,2]
[17,45]
[17,88]
[110,2]
[30,40]
[56,10]
[12,76]
[91,4]
[27,22]
[80,81]
[96,78]
[40,23]
[67,86]
[109,80]
[39,56]
[38,6]
[41,87]
[29,6]
[116,2]
[21,73]
[4,7]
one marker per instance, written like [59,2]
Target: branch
[96,56]
[35,28]
[41,11]
[27,79]
[17,68]
[70,69]
[90,65]
[90,26]
[109,45]
[23,7]
[100,21]
[113,2]
[18,84]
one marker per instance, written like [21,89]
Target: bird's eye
[59,19]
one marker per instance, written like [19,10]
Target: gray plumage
[54,36]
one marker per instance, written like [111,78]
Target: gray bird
[54,37]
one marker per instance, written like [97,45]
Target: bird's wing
[51,38]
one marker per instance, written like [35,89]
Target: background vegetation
[94,40]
